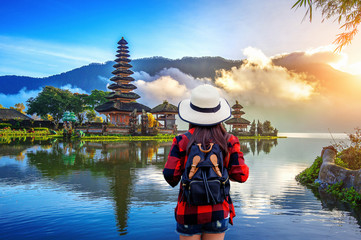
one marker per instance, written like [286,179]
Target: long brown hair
[207,134]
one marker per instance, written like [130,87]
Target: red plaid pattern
[173,170]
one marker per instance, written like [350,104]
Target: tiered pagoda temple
[238,123]
[165,113]
[122,101]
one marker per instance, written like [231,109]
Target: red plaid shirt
[173,170]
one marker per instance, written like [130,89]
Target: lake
[97,190]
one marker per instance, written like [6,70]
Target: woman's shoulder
[232,139]
[183,139]
[188,134]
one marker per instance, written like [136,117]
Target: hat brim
[187,114]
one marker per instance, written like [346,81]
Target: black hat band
[205,110]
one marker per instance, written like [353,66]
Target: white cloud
[22,96]
[259,82]
[169,84]
[73,89]
[105,80]
[164,88]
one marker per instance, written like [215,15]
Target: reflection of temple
[122,99]
[257,145]
[238,124]
[103,169]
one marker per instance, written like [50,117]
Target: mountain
[331,82]
[95,75]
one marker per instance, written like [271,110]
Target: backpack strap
[214,161]
[196,159]
[205,151]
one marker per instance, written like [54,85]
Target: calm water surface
[85,190]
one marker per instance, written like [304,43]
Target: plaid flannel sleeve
[173,168]
[237,169]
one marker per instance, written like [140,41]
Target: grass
[22,133]
[348,195]
[309,175]
[260,137]
[160,137]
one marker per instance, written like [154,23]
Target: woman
[204,111]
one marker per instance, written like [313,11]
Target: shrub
[41,129]
[350,154]
[344,194]
[4,125]
[339,162]
[309,175]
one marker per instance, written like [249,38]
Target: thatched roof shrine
[165,107]
[234,121]
[12,114]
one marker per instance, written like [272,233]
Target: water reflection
[100,169]
[69,162]
[257,146]
[330,202]
[126,178]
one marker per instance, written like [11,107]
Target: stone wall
[331,173]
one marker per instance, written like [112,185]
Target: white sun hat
[205,107]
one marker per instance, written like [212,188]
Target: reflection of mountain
[257,145]
[100,169]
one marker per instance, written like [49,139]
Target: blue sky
[45,37]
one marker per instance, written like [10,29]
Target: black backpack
[205,180]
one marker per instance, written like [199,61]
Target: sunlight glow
[300,91]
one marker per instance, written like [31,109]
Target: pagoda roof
[129,95]
[233,121]
[120,78]
[118,71]
[12,114]
[237,105]
[122,86]
[122,41]
[238,113]
[122,60]
[165,107]
[126,65]
[121,107]
[122,55]
[122,49]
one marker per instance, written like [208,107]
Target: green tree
[267,127]
[91,115]
[253,128]
[50,100]
[347,13]
[78,106]
[97,97]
